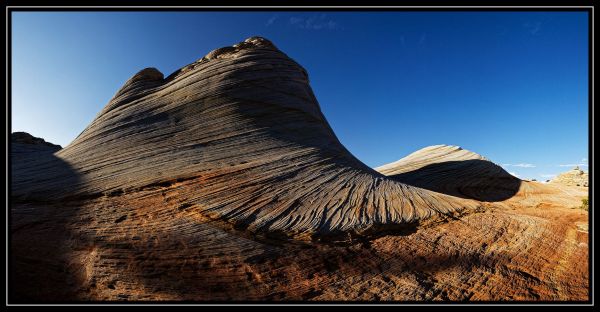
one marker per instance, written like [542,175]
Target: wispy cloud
[515,174]
[584,160]
[524,165]
[573,165]
[533,27]
[272,20]
[314,22]
[519,165]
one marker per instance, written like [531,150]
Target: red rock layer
[225,182]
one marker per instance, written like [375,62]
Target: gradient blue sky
[512,86]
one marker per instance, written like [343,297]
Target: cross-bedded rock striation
[188,188]
[245,123]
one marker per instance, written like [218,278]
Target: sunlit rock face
[455,171]
[459,172]
[573,177]
[224,181]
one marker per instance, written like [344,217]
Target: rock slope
[244,123]
[455,171]
[190,187]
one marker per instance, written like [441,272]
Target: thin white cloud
[314,22]
[573,165]
[332,25]
[515,174]
[584,160]
[519,165]
[533,28]
[272,20]
[297,21]
[524,165]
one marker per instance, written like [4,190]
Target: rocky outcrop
[23,141]
[454,171]
[224,181]
[242,130]
[573,177]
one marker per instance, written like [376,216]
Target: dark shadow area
[40,268]
[472,179]
[37,174]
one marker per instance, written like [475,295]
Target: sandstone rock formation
[459,172]
[455,171]
[244,121]
[573,177]
[224,181]
[25,142]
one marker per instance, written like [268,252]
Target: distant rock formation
[573,177]
[455,171]
[25,141]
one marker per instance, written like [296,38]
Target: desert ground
[224,182]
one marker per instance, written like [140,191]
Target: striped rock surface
[244,122]
[149,247]
[188,188]
[455,171]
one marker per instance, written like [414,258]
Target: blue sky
[512,86]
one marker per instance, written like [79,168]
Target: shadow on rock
[472,179]
[40,262]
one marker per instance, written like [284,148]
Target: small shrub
[584,204]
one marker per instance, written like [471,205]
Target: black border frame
[156,8]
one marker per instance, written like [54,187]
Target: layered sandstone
[455,171]
[224,181]
[244,121]
[459,172]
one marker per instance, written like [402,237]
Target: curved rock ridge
[127,211]
[242,129]
[455,171]
[427,156]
